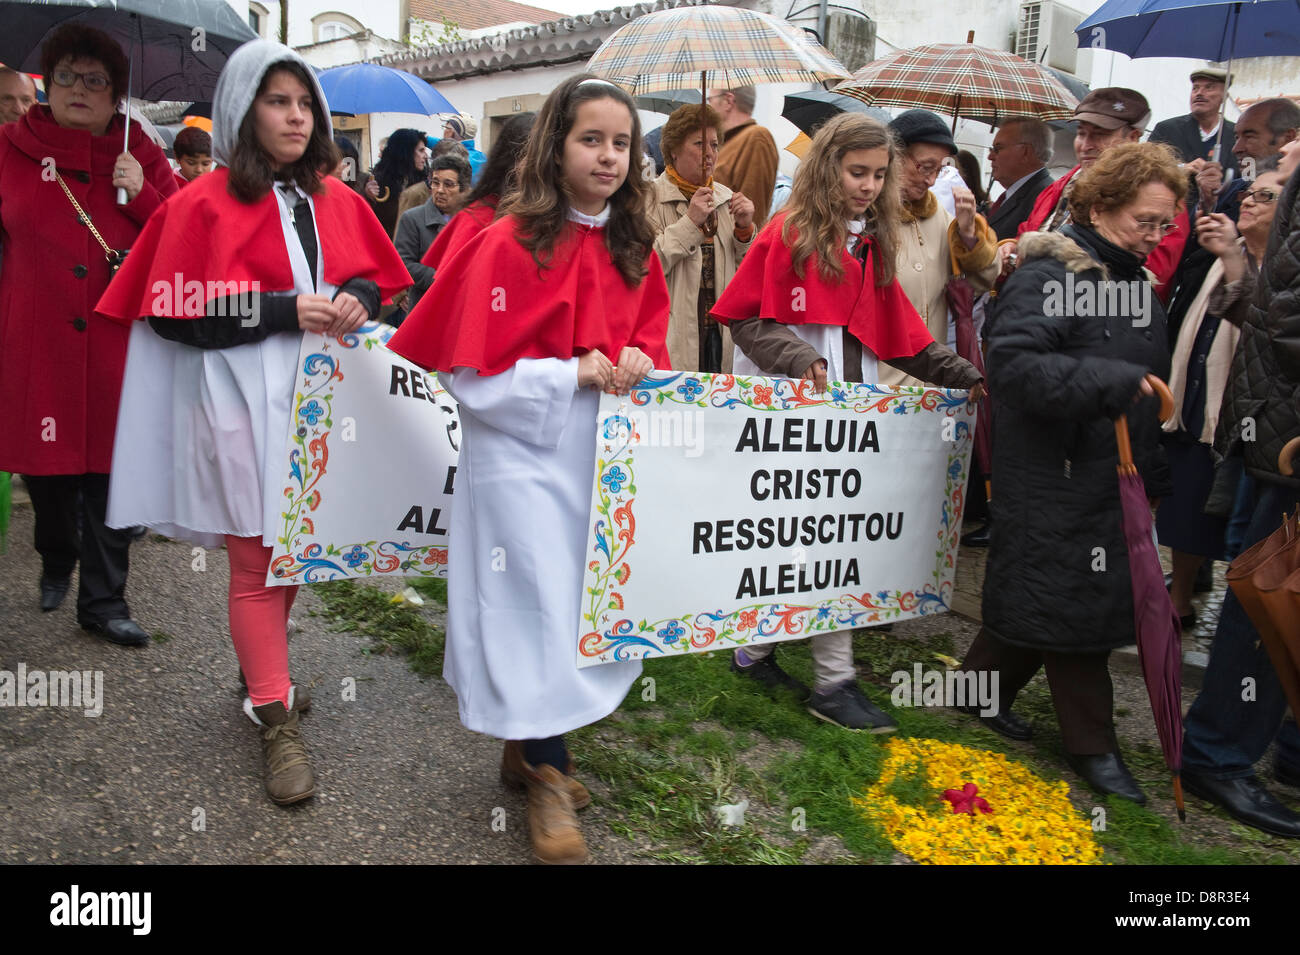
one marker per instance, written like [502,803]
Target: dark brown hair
[86,43]
[684,121]
[251,173]
[192,141]
[1113,181]
[541,199]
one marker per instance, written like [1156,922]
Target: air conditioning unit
[1046,35]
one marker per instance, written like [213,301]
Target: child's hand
[633,365]
[816,373]
[316,313]
[978,393]
[352,314]
[595,371]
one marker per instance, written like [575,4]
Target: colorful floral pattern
[925,801]
[607,636]
[306,561]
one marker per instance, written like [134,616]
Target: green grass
[691,736]
[391,627]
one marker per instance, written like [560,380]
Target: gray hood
[237,86]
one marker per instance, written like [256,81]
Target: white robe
[519,535]
[202,433]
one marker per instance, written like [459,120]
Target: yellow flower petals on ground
[1032,822]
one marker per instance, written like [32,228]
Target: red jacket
[61,365]
[1163,260]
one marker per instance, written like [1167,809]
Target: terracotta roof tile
[478,14]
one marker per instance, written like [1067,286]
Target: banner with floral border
[687,458]
[369,465]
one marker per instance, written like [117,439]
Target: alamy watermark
[1091,298]
[657,428]
[959,688]
[79,689]
[181,299]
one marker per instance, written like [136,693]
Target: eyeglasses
[998,147]
[930,168]
[1259,195]
[94,82]
[1146,226]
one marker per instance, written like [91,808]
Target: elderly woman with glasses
[931,242]
[702,231]
[1207,341]
[61,366]
[1075,331]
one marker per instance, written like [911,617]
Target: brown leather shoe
[515,772]
[287,770]
[557,837]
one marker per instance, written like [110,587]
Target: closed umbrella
[370,88]
[961,80]
[1159,634]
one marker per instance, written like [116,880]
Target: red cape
[463,226]
[767,286]
[1164,258]
[491,305]
[204,234]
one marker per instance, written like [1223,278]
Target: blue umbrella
[370,88]
[1216,30]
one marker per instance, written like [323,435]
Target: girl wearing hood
[207,393]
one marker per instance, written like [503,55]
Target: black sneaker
[847,706]
[767,672]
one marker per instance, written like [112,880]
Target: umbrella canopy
[1159,634]
[176,47]
[962,79]
[669,101]
[1215,30]
[809,110]
[371,88]
[721,47]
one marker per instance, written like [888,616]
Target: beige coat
[677,244]
[924,267]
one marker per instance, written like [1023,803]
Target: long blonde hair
[818,209]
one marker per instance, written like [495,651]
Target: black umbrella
[810,109]
[176,47]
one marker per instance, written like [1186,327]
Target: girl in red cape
[230,275]
[816,298]
[559,299]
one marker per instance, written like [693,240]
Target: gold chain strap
[109,252]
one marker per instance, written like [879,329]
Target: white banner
[737,510]
[369,465]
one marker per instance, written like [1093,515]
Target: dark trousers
[70,510]
[1228,729]
[1080,682]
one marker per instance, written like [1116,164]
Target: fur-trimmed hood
[1054,245]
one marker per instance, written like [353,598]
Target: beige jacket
[677,244]
[925,265]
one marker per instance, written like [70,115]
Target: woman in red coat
[61,365]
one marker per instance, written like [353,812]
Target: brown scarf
[923,208]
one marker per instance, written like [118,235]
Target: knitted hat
[922,126]
[462,126]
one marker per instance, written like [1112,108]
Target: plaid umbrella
[722,47]
[962,79]
[1159,634]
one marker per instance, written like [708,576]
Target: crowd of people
[127,411]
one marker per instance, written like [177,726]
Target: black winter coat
[1264,383]
[1058,575]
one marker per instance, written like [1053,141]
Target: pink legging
[258,618]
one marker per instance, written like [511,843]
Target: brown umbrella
[1159,635]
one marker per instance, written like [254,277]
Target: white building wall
[381,16]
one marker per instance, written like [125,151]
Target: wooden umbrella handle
[1164,394]
[1126,465]
[1290,451]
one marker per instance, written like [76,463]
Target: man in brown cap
[1195,135]
[1106,117]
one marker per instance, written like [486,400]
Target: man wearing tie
[1018,157]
